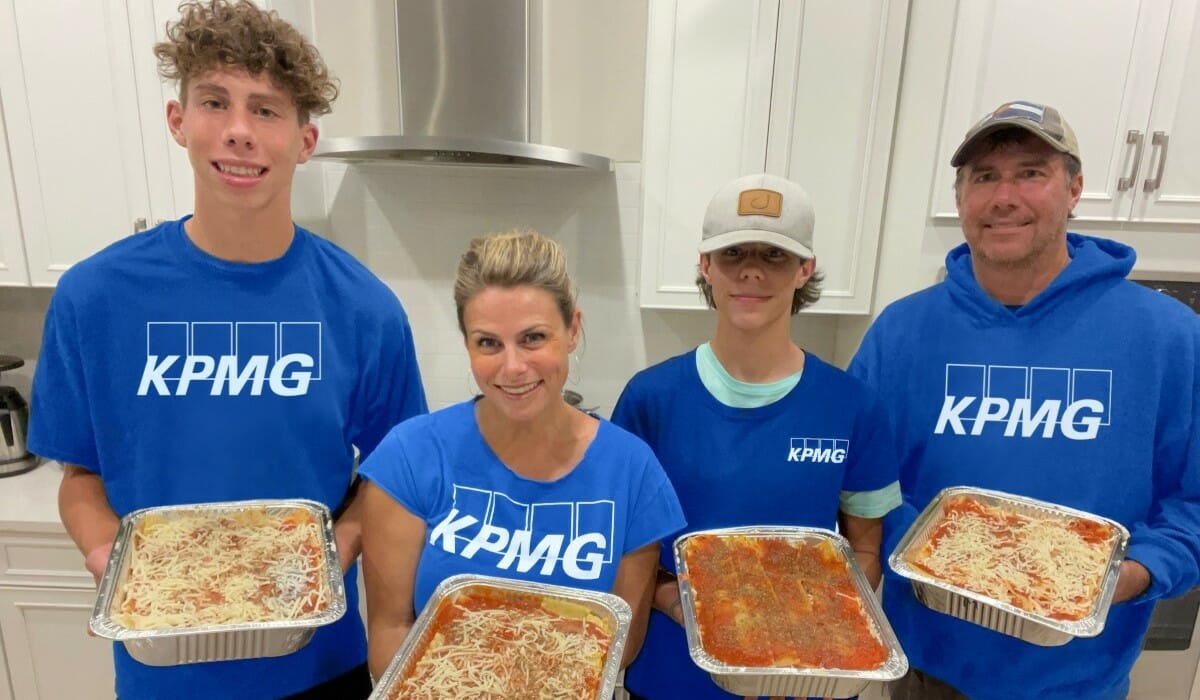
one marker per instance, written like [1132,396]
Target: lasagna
[191,568]
[485,643]
[778,602]
[1050,565]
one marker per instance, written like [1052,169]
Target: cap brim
[956,160]
[778,240]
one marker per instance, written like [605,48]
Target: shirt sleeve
[656,513]
[1168,542]
[629,413]
[873,463]
[60,422]
[390,467]
[389,388]
[867,365]
[871,504]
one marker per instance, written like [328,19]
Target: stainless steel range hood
[466,94]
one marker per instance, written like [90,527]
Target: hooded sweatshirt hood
[1096,264]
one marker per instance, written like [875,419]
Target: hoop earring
[573,370]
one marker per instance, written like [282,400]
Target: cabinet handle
[1135,137]
[1159,139]
[139,225]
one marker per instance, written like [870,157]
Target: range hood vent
[466,94]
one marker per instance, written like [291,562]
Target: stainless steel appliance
[14,422]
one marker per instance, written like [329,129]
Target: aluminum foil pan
[989,612]
[798,682]
[184,645]
[605,605]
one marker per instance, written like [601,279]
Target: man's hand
[1133,581]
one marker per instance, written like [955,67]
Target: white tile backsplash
[409,225]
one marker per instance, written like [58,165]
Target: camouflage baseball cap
[1044,122]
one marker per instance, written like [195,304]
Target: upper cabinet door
[1101,78]
[708,95]
[833,105]
[1168,186]
[74,130]
[12,250]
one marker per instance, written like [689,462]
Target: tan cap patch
[760,202]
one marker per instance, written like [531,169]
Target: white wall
[593,70]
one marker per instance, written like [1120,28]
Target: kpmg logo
[230,358]
[818,450]
[1025,401]
[576,535]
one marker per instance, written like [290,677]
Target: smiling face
[1014,203]
[244,139]
[519,346]
[753,283]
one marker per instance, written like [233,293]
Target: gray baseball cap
[760,208]
[1044,122]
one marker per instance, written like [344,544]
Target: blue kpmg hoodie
[1087,396]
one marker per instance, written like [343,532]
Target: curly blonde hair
[236,34]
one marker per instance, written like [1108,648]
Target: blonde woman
[514,482]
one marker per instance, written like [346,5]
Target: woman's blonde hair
[224,34]
[511,259]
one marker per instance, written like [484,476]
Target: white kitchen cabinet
[1128,83]
[13,270]
[46,599]
[803,89]
[88,156]
[49,655]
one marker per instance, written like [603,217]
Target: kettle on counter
[14,424]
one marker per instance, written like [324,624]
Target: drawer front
[41,559]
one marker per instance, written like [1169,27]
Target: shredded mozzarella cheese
[495,653]
[1039,564]
[195,568]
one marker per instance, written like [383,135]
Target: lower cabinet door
[48,653]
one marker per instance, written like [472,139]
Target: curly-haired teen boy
[231,354]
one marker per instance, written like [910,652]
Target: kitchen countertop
[29,501]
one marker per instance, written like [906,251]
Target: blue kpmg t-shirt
[785,463]
[482,518]
[181,378]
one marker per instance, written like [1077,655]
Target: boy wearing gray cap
[750,428]
[1036,368]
